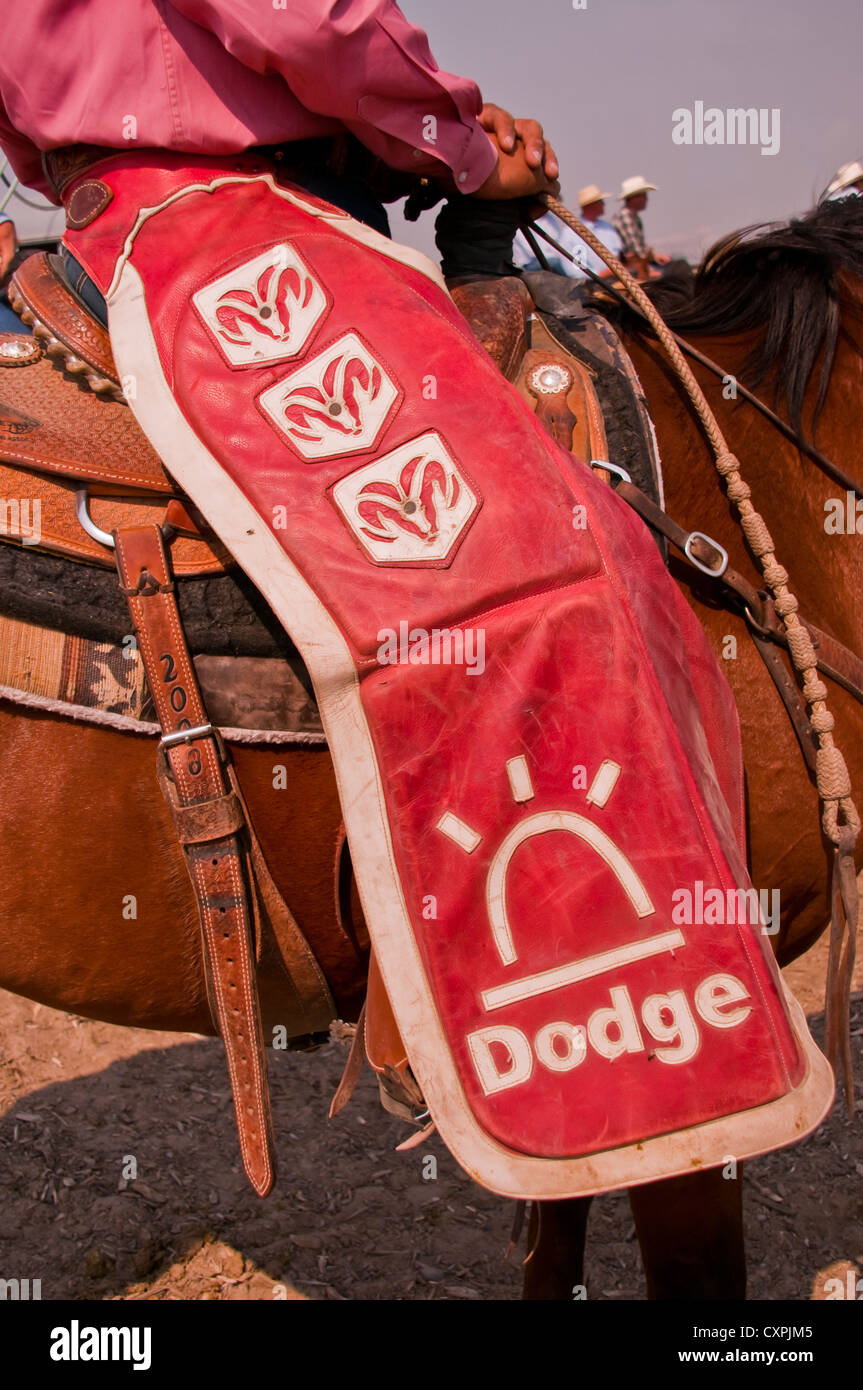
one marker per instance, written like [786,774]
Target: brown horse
[781,310]
[85,831]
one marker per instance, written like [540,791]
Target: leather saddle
[71,451]
[81,454]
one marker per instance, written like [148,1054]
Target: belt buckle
[191,735]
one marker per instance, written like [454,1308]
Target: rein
[840,820]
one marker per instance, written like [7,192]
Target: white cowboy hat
[844,177]
[591,194]
[636,184]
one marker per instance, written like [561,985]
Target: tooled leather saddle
[90,488]
[80,453]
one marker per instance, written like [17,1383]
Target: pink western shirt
[218,76]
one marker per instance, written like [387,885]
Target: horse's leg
[691,1234]
[556,1236]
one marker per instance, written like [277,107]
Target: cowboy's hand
[8,247]
[526,162]
[507,131]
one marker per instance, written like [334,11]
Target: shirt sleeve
[360,62]
[24,157]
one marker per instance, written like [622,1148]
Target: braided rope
[832,778]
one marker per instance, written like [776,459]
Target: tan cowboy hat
[844,177]
[637,184]
[591,194]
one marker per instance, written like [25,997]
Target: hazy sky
[605,80]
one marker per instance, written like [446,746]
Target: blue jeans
[83,286]
[9,320]
[349,194]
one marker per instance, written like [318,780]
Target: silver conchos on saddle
[409,507]
[17,350]
[263,311]
[550,379]
[335,403]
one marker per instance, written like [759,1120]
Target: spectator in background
[590,201]
[638,255]
[526,258]
[9,321]
[8,245]
[592,205]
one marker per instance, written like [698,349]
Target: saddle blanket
[537,757]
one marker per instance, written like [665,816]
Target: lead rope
[839,817]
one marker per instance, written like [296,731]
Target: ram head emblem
[269,308]
[416,503]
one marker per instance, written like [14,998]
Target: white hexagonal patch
[410,507]
[265,310]
[335,403]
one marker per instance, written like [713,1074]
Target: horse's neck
[793,495]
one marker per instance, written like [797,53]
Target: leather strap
[840,965]
[353,1066]
[791,698]
[387,1056]
[377,1038]
[314,1008]
[835,661]
[209,816]
[562,393]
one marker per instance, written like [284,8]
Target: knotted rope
[839,817]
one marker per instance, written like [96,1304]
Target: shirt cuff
[477,160]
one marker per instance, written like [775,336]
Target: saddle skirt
[538,760]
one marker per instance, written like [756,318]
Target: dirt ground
[119,1179]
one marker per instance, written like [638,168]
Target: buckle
[175,740]
[753,623]
[189,736]
[715,573]
[619,473]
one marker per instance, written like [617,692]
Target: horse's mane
[781,282]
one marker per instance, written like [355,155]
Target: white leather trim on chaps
[330,664]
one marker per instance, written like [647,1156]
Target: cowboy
[315,395]
[633,196]
[592,204]
[543,255]
[8,244]
[575,259]
[216,77]
[847,182]
[9,321]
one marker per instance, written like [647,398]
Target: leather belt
[69,162]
